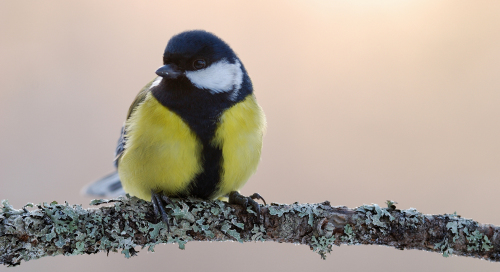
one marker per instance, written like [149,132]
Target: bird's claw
[159,202]
[258,196]
[237,198]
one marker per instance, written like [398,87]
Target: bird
[196,130]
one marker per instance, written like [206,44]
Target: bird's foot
[237,198]
[159,202]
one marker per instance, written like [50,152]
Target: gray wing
[141,96]
[120,146]
[109,186]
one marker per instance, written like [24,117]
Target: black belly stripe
[205,184]
[201,110]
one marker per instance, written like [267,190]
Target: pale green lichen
[374,215]
[274,210]
[307,211]
[237,224]
[454,227]
[71,230]
[129,222]
[251,211]
[235,234]
[258,233]
[486,244]
[391,204]
[215,211]
[477,241]
[155,229]
[183,213]
[322,239]
[411,218]
[349,235]
[458,228]
[322,245]
[445,247]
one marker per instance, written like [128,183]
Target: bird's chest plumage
[188,156]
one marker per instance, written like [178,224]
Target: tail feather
[108,186]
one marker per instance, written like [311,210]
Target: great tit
[194,131]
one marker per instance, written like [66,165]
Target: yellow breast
[240,136]
[161,152]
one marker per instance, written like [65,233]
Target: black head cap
[185,47]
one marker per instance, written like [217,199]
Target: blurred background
[365,101]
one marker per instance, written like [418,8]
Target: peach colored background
[366,101]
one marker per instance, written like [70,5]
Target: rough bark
[127,223]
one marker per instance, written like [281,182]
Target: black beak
[169,71]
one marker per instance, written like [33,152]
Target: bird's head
[206,61]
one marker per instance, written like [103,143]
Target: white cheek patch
[156,82]
[219,77]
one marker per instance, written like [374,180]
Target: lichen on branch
[127,224]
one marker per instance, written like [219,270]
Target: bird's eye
[199,64]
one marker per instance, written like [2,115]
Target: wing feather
[120,147]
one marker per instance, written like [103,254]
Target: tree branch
[128,222]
